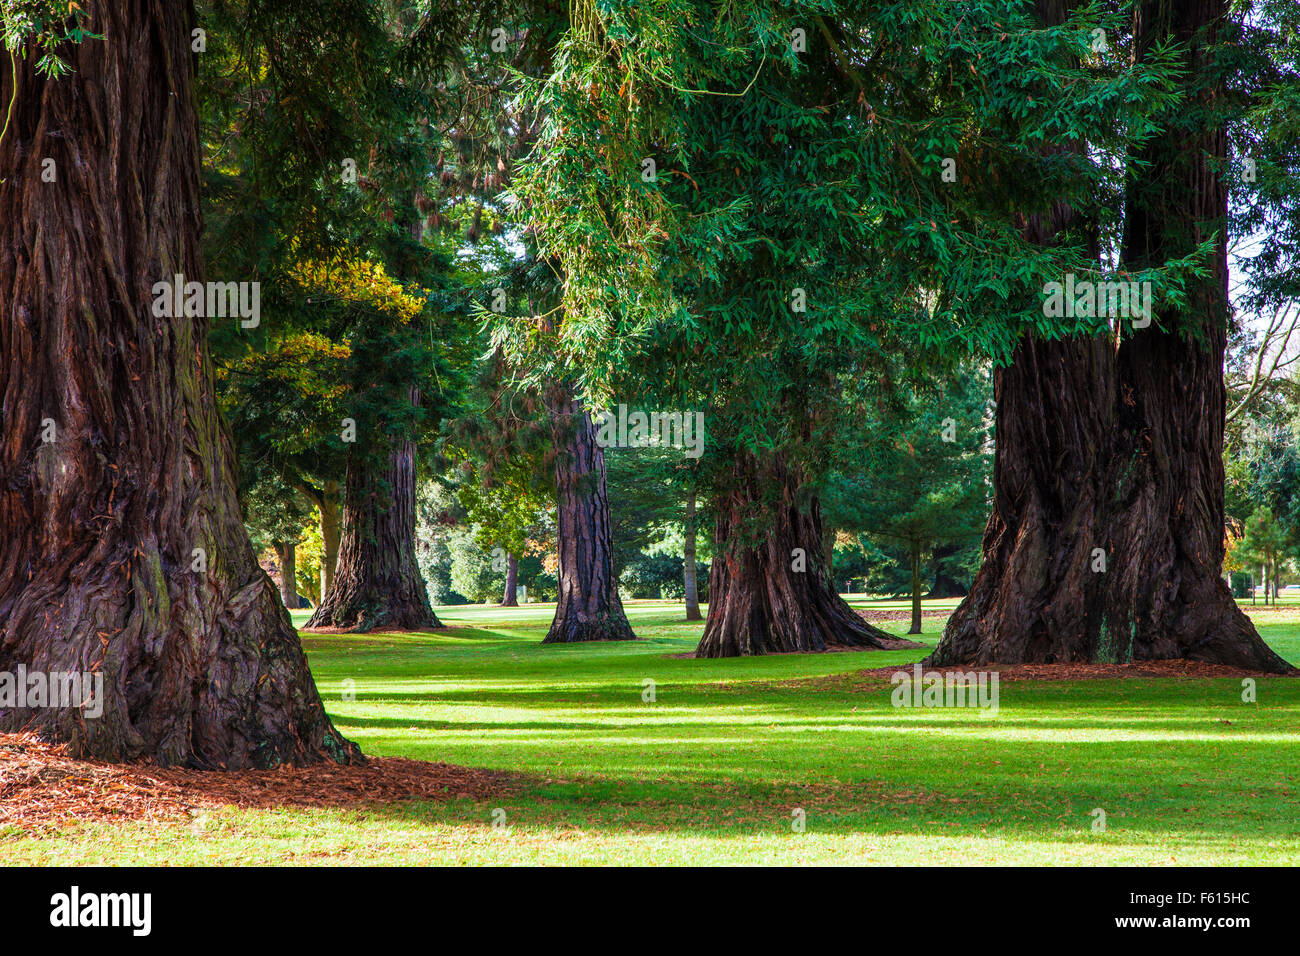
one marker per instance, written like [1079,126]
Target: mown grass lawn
[713,770]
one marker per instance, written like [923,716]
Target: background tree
[928,487]
[797,232]
[1263,543]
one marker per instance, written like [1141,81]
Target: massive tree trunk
[378,584]
[688,564]
[770,590]
[511,596]
[588,607]
[122,551]
[286,552]
[1166,597]
[1112,459]
[1036,597]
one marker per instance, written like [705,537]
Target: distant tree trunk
[1166,597]
[331,534]
[916,588]
[588,606]
[772,593]
[688,563]
[286,552]
[511,597]
[123,552]
[945,585]
[378,582]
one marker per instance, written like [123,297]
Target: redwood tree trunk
[588,607]
[511,596]
[122,548]
[1036,598]
[378,584]
[916,589]
[287,554]
[688,564]
[1166,597]
[770,590]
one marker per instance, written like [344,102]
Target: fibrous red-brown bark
[1106,539]
[770,589]
[1036,597]
[588,607]
[122,551]
[1165,596]
[377,583]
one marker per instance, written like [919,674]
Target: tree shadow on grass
[1046,812]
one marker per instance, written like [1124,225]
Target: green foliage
[1261,59]
[317,139]
[798,242]
[273,512]
[44,25]
[917,479]
[310,554]
[1264,538]
[647,499]
[661,576]
[472,573]
[457,567]
[1241,584]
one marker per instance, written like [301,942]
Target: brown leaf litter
[42,788]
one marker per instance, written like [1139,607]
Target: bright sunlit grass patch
[714,769]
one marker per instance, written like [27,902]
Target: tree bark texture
[1166,598]
[511,596]
[377,584]
[1036,598]
[1111,455]
[122,550]
[588,606]
[770,589]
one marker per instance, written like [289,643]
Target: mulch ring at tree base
[877,677]
[874,615]
[42,788]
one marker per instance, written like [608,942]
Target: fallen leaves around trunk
[878,615]
[1177,669]
[42,789]
[1191,670]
